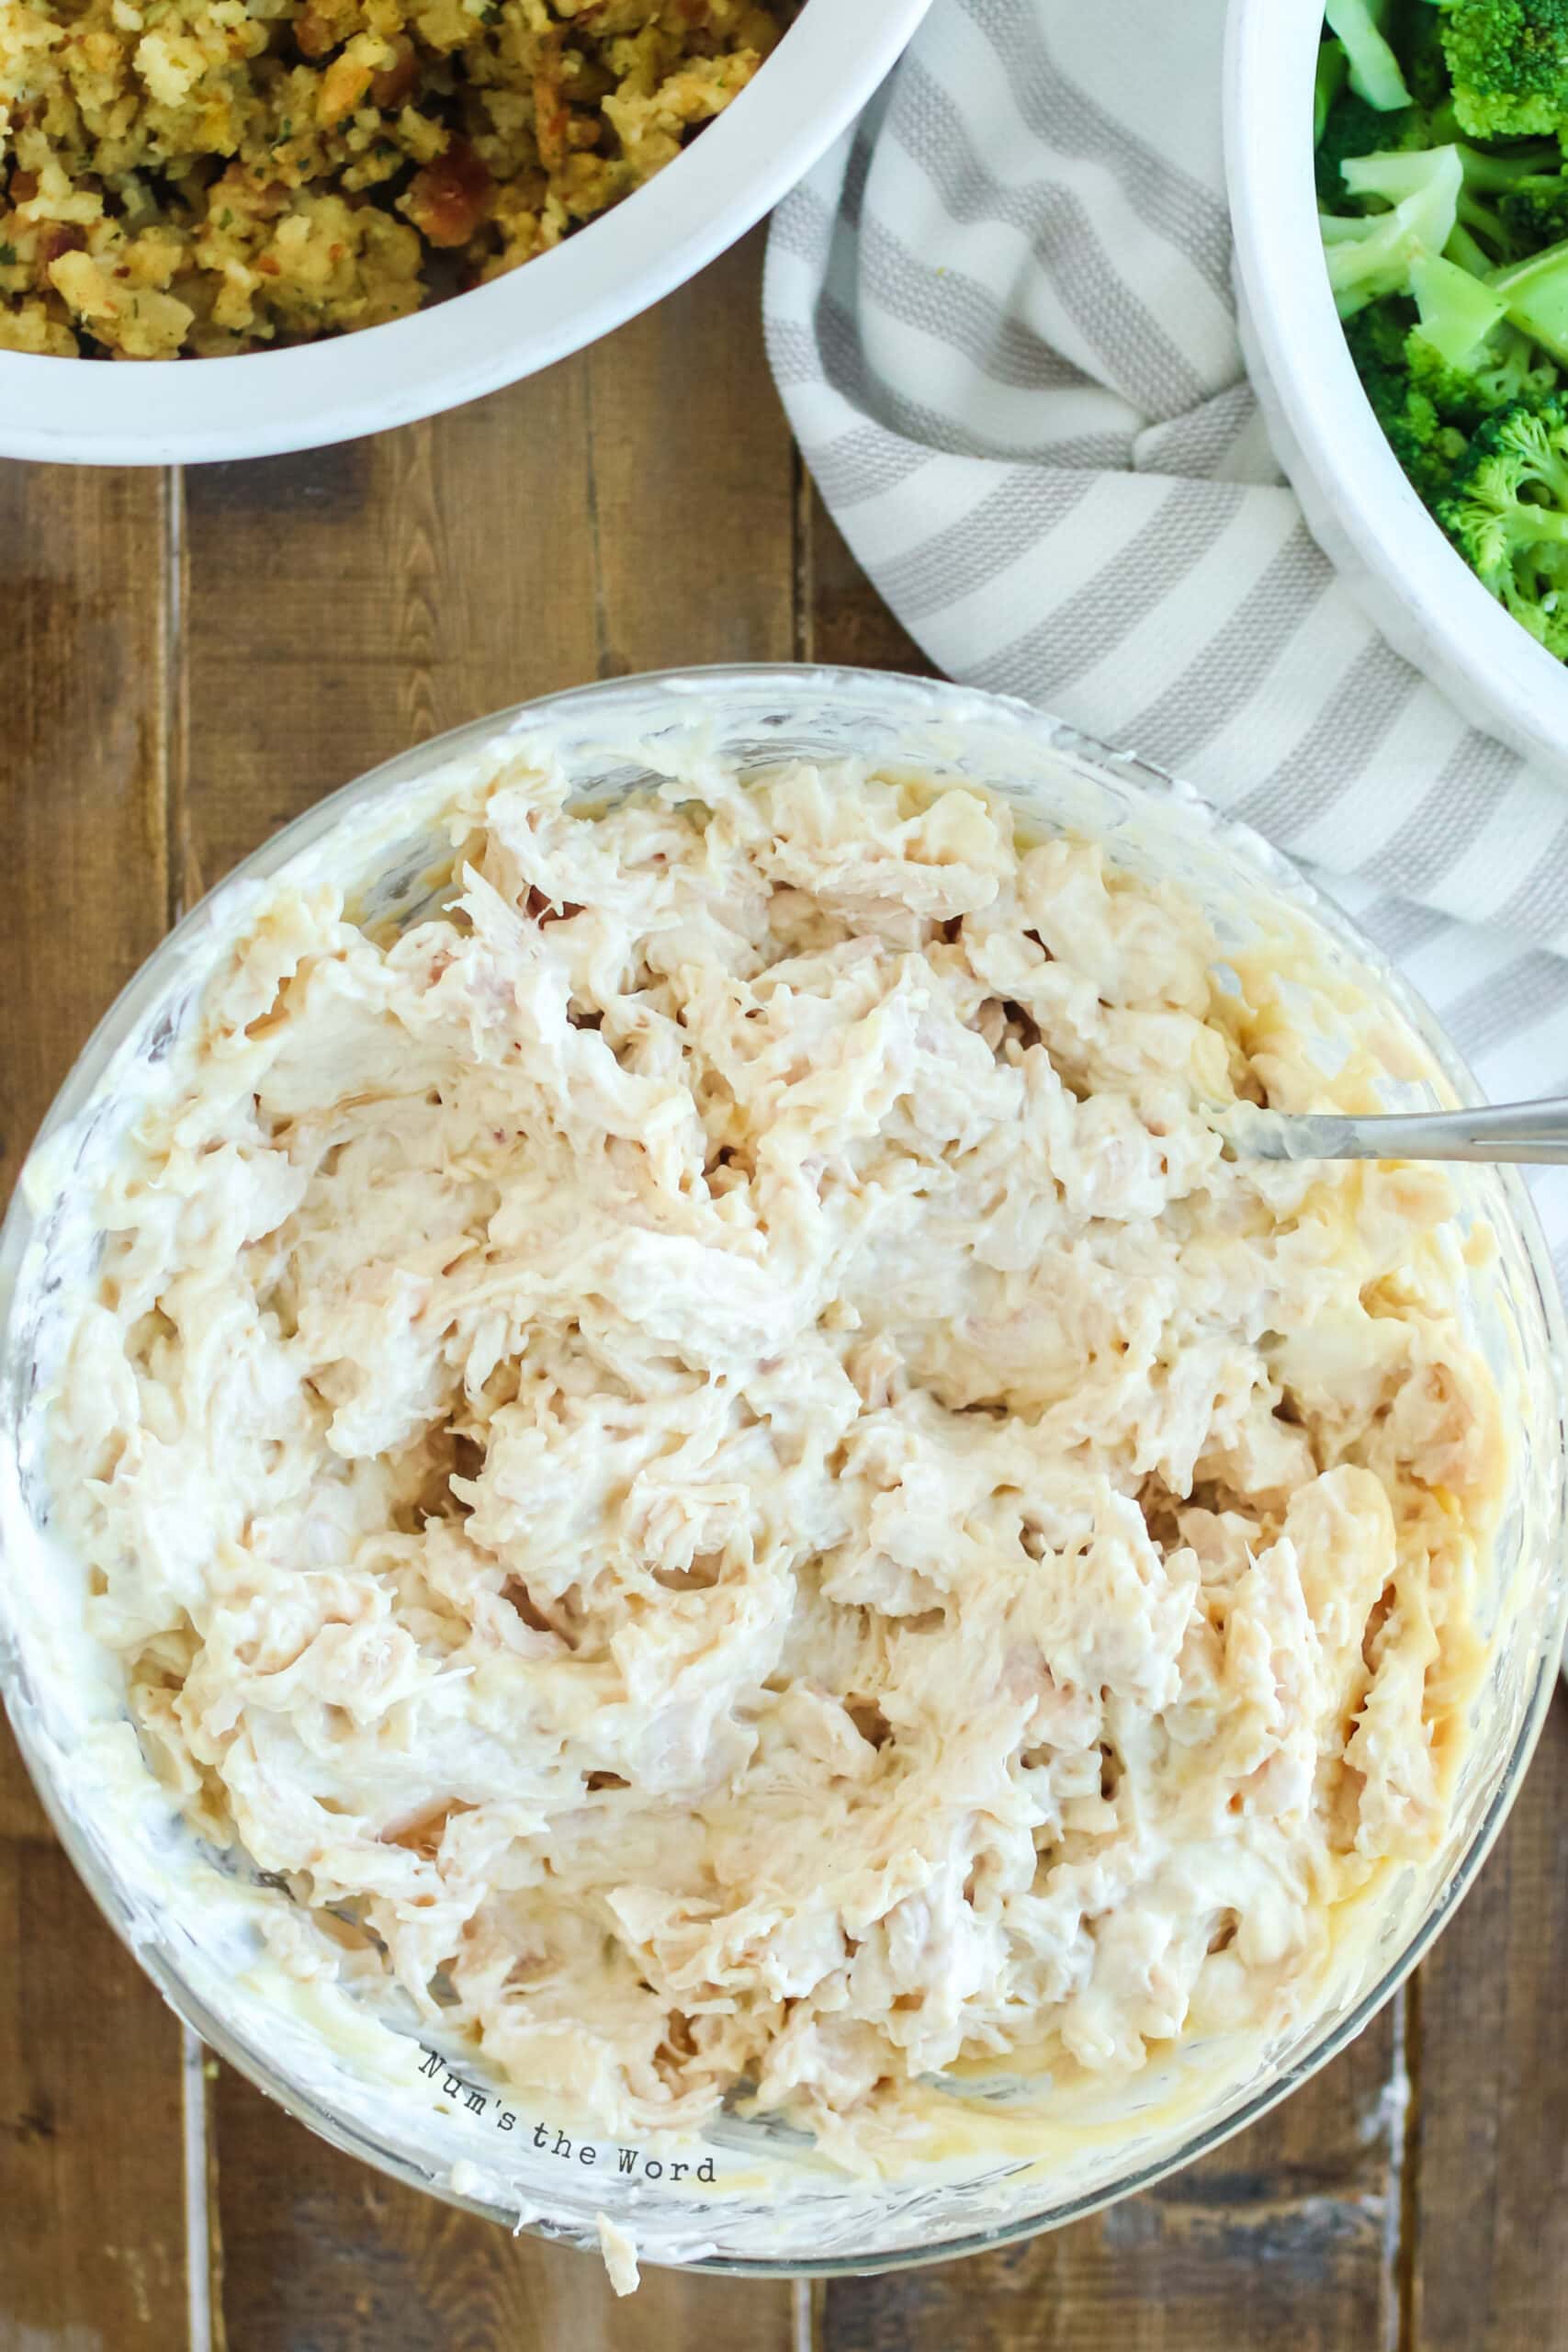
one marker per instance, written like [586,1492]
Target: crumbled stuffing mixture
[209,176]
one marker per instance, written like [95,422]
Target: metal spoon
[1525,1133]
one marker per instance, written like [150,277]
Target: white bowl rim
[184,412]
[1459,634]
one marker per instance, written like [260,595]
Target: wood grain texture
[83,684]
[1490,2151]
[91,2186]
[1286,2236]
[691,482]
[631,508]
[322,2254]
[91,2199]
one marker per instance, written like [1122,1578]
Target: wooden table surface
[185,662]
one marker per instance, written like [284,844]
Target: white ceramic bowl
[1359,505]
[750,2195]
[183,411]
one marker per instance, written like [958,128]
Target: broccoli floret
[1374,69]
[1458,311]
[1511,369]
[1415,37]
[1448,260]
[1534,293]
[1378,338]
[1503,195]
[1355,129]
[1508,64]
[1509,203]
[1534,209]
[1508,513]
[1328,84]
[1352,129]
[1426,445]
[1371,253]
[1506,367]
[1428,407]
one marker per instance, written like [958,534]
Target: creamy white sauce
[705,1455]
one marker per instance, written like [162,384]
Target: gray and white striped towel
[1000,314]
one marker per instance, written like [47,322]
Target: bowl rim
[265,404]
[1455,630]
[908,697]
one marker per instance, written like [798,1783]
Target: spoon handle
[1533,1134]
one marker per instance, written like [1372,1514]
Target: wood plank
[1490,2147]
[322,2255]
[631,508]
[1286,2235]
[91,2186]
[1279,2238]
[23,1821]
[82,680]
[346,603]
[90,2138]
[690,481]
[627,510]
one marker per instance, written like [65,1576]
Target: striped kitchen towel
[1000,314]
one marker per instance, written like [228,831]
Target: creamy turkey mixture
[706,1453]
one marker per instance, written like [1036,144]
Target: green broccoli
[1506,367]
[1534,293]
[1426,445]
[1507,201]
[1327,87]
[1440,155]
[1534,209]
[1506,198]
[1370,254]
[1378,339]
[1458,311]
[1507,515]
[1352,128]
[1374,69]
[1415,37]
[1508,64]
[1511,369]
[1428,407]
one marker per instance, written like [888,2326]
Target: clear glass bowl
[748,2196]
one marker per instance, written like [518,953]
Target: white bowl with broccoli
[1399,191]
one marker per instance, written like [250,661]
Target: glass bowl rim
[902,694]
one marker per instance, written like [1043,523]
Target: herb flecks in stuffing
[208,175]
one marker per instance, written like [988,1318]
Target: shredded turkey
[708,1452]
